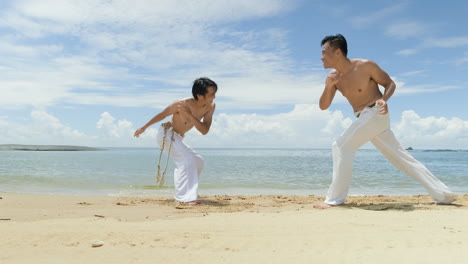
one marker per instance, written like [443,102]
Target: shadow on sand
[382,206]
[393,206]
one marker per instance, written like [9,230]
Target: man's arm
[202,126]
[171,109]
[330,90]
[383,79]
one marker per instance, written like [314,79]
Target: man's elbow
[391,84]
[204,131]
[324,106]
[324,103]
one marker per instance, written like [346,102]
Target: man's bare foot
[323,206]
[197,202]
[185,205]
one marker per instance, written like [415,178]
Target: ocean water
[131,171]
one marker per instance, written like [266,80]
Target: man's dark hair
[337,42]
[200,86]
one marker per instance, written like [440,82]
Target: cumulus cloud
[109,127]
[305,126]
[432,132]
[41,128]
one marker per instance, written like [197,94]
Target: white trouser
[375,127]
[188,163]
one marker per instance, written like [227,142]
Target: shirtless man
[186,113]
[358,81]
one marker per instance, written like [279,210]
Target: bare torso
[358,86]
[181,123]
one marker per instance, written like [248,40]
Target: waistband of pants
[357,114]
[169,127]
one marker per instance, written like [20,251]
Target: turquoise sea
[131,171]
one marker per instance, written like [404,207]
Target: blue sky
[91,72]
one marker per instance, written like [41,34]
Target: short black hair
[338,42]
[200,86]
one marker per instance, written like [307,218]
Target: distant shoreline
[18,147]
[21,147]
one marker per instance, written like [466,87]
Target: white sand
[231,229]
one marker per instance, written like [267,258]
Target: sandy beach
[231,229]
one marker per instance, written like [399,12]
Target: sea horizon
[233,148]
[249,171]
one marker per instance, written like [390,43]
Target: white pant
[189,165]
[375,127]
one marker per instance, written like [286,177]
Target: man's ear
[338,52]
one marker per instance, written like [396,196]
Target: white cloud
[404,89]
[145,53]
[407,29]
[126,53]
[146,11]
[111,128]
[371,18]
[407,52]
[425,89]
[41,128]
[452,42]
[113,132]
[432,132]
[61,79]
[413,73]
[305,126]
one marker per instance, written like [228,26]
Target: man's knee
[200,162]
[341,147]
[194,160]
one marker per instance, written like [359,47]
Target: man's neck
[344,66]
[198,103]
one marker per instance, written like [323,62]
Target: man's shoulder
[178,101]
[364,63]
[183,100]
